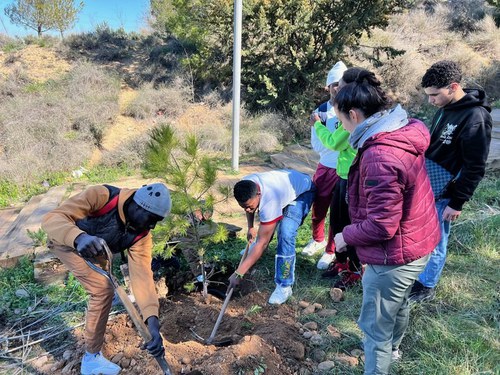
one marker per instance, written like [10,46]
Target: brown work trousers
[101,295]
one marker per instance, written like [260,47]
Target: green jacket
[337,141]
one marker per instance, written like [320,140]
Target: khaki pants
[101,295]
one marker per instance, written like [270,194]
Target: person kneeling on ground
[283,199]
[122,218]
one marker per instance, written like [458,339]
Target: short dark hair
[364,93]
[244,190]
[442,74]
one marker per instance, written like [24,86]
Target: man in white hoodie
[325,176]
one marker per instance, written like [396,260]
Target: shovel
[210,339]
[131,310]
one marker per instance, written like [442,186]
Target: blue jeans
[293,217]
[432,272]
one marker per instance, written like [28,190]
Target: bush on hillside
[102,44]
[14,83]
[129,154]
[168,100]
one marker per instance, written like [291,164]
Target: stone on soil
[317,340]
[334,332]
[327,313]
[346,360]
[357,353]
[303,304]
[309,310]
[325,366]
[311,326]
[318,355]
[67,354]
[117,358]
[336,294]
[22,293]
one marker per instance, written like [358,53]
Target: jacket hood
[413,138]
[380,122]
[472,98]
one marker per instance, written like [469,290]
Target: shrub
[102,44]
[464,15]
[286,44]
[488,79]
[165,100]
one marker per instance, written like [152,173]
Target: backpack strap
[112,203]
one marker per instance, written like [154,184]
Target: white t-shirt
[327,157]
[278,189]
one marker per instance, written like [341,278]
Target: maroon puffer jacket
[391,205]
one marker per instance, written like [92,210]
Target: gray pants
[385,311]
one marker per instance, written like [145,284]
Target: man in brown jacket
[123,219]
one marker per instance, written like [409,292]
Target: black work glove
[155,346]
[234,281]
[89,246]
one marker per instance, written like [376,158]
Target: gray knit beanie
[154,198]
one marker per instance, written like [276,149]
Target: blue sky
[129,14]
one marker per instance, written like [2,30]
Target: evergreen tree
[193,179]
[287,45]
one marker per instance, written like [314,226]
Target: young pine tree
[192,176]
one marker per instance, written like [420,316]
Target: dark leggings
[339,218]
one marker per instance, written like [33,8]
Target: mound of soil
[260,336]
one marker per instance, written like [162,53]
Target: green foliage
[287,46]
[102,44]
[253,310]
[192,176]
[496,10]
[70,297]
[465,15]
[64,14]
[38,237]
[43,15]
[11,47]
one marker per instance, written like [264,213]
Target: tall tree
[43,15]
[287,45]
[64,14]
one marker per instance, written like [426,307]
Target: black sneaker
[420,293]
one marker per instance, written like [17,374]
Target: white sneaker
[325,261]
[313,247]
[280,295]
[96,364]
[396,355]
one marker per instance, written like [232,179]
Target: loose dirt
[265,338]
[39,64]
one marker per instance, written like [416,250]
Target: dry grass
[53,126]
[166,100]
[426,39]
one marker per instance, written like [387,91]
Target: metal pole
[238,5]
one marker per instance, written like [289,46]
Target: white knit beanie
[154,198]
[335,73]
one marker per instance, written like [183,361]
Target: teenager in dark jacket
[394,224]
[123,218]
[460,142]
